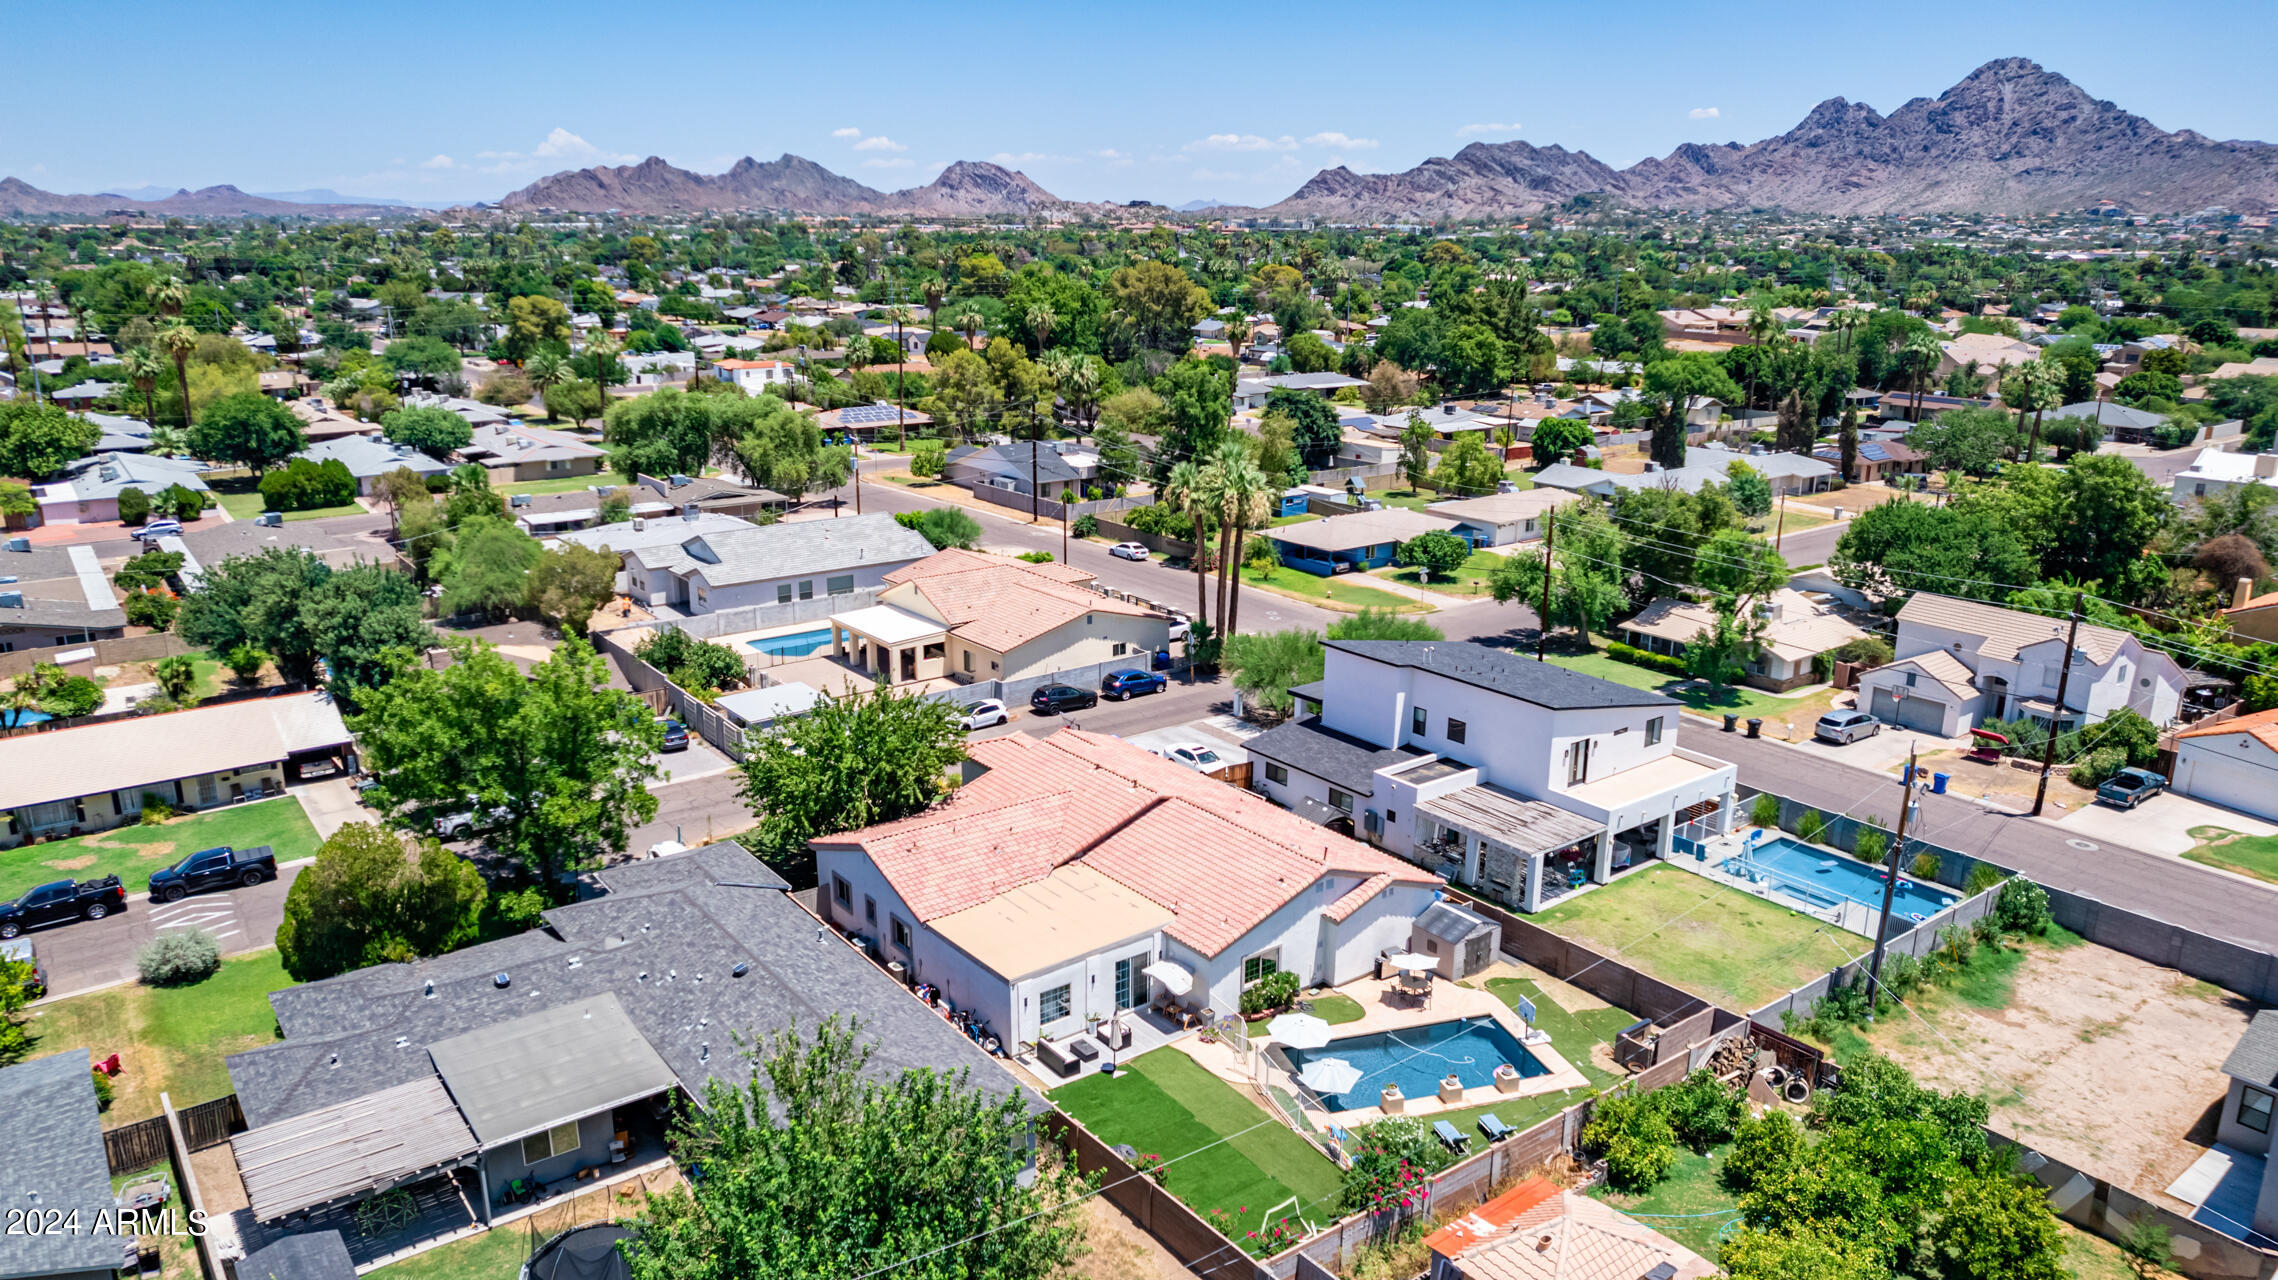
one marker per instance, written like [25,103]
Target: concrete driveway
[86,954]
[331,804]
[699,761]
[2161,824]
[1883,753]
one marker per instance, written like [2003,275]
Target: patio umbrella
[1174,978]
[1299,1030]
[1410,961]
[1329,1075]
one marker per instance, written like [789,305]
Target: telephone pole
[1890,885]
[1780,532]
[2056,714]
[1542,621]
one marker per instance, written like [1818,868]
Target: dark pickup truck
[218,868]
[62,900]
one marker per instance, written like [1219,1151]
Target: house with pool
[733,568]
[1077,876]
[1516,779]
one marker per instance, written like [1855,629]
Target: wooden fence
[210,1124]
[145,648]
[136,1145]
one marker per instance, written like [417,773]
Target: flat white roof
[889,625]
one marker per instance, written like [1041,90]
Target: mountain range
[2011,137]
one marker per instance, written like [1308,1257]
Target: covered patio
[1525,852]
[893,645]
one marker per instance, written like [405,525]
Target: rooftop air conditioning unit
[677,480]
[19,544]
[11,599]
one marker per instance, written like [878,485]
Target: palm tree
[935,291]
[2034,386]
[1244,500]
[1763,326]
[180,340]
[170,297]
[1238,335]
[970,321]
[169,441]
[1186,490]
[544,370]
[142,369]
[1040,322]
[1919,356]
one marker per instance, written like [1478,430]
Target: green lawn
[244,504]
[1334,1009]
[1470,579]
[1165,1104]
[1737,699]
[169,1039]
[1692,1187]
[132,853]
[492,1255]
[1279,522]
[2255,856]
[1737,951]
[1574,1035]
[559,484]
[1341,592]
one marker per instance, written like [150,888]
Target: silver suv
[1842,727]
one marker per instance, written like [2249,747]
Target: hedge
[1645,658]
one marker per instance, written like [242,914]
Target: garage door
[2234,784]
[1919,713]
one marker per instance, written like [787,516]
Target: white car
[1195,756]
[984,713]
[1178,629]
[1129,551]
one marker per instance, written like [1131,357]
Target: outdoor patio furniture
[1493,1127]
[1450,1137]
[1083,1051]
[1115,1033]
[1054,1060]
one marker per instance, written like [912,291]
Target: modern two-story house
[773,564]
[1962,661]
[1515,778]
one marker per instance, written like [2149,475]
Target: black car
[217,868]
[675,736]
[62,900]
[1061,697]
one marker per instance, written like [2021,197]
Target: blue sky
[438,103]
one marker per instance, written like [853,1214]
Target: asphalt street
[85,954]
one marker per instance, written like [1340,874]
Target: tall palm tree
[970,321]
[1245,500]
[1238,335]
[1919,356]
[935,291]
[142,369]
[544,370]
[170,297]
[1763,326]
[1186,490]
[179,341]
[2038,387]
[1040,322]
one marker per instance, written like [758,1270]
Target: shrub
[1703,1110]
[1982,877]
[148,570]
[134,505]
[1765,812]
[1870,845]
[302,485]
[1389,1158]
[1902,973]
[244,661]
[155,809]
[1087,526]
[150,609]
[1761,1148]
[102,1091]
[175,959]
[2022,907]
[1644,658]
[1272,991]
[1035,557]
[1812,826]
[1631,1132]
[926,459]
[2100,764]
[1925,866]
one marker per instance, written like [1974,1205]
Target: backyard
[558,484]
[1788,716]
[1341,592]
[1736,951]
[243,502]
[2255,856]
[1584,1037]
[498,1254]
[177,1252]
[132,853]
[1690,1206]
[169,1040]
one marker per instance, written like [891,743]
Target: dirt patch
[71,864]
[2100,1060]
[1571,998]
[1116,1248]
[2004,781]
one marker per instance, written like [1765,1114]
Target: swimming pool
[1418,1058]
[21,718]
[796,645]
[1824,879]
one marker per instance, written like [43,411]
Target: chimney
[2265,466]
[2242,593]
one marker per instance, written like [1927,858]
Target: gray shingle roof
[369,456]
[60,586]
[1312,747]
[52,1149]
[1545,684]
[319,1255]
[2255,1059]
[790,550]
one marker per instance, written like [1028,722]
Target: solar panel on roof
[867,413]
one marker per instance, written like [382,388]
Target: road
[87,954]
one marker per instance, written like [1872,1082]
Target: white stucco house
[1957,662]
[2233,764]
[705,572]
[1501,519]
[1069,875]
[1515,778]
[2217,471]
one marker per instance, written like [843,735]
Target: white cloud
[561,142]
[1702,113]
[1242,142]
[1473,130]
[1026,157]
[879,142]
[552,151]
[848,132]
[890,162]
[438,161]
[1340,140]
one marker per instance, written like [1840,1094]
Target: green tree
[1749,490]
[944,527]
[819,1163]
[563,755]
[1316,432]
[1557,439]
[1436,552]
[258,600]
[569,582]
[1265,665]
[848,763]
[1847,448]
[36,440]
[249,429]
[1383,624]
[1906,546]
[1160,302]
[2111,512]
[425,357]
[134,506]
[1757,1255]
[1467,468]
[438,433]
[177,678]
[699,666]
[1197,402]
[1123,417]
[487,569]
[1676,387]
[1585,585]
[1997,1226]
[783,449]
[1416,450]
[15,993]
[375,897]
[534,323]
[1472,359]
[16,500]
[1971,440]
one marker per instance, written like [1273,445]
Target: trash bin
[1731,721]
[1938,784]
[1755,727]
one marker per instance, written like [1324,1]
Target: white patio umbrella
[1299,1030]
[1173,977]
[1410,961]
[1329,1075]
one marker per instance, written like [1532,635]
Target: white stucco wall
[1088,640]
[2231,769]
[703,597]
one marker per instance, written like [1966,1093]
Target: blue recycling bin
[1938,784]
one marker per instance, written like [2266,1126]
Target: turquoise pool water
[796,645]
[1418,1058]
[1824,878]
[18,719]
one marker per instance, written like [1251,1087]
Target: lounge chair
[1449,1137]
[1495,1129]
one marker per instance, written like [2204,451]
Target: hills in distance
[2011,137]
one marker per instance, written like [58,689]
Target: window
[1419,721]
[2254,1108]
[807,589]
[841,891]
[560,1140]
[901,933]
[208,793]
[840,585]
[782,593]
[1578,763]
[1052,1005]
[1276,773]
[1909,679]
[1455,729]
[933,652]
[1391,816]
[1130,982]
[968,654]
[869,909]
[1261,964]
[1118,650]
[58,813]
[557,464]
[1653,732]
[1340,800]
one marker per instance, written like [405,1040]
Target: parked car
[1194,756]
[675,734]
[156,529]
[1127,684]
[323,768]
[217,868]
[62,900]
[467,821]
[2130,787]
[982,714]
[1179,627]
[1845,727]
[1061,697]
[1129,551]
[20,951]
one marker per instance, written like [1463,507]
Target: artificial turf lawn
[1692,1188]
[1340,592]
[1164,1103]
[132,853]
[1334,1009]
[169,1039]
[1738,951]
[2255,856]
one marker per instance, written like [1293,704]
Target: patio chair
[1494,1128]
[1450,1137]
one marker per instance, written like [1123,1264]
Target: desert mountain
[966,188]
[20,199]
[2010,138]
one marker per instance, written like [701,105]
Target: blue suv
[1125,685]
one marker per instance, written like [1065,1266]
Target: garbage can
[1755,727]
[1731,721]
[1938,784]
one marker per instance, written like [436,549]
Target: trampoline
[585,1253]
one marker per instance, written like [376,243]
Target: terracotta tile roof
[959,560]
[1562,1235]
[1220,859]
[1001,603]
[2262,726]
[1360,894]
[2263,601]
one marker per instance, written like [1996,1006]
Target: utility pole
[2064,678]
[1890,885]
[1780,531]
[1033,517]
[1542,621]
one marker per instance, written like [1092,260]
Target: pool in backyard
[1825,879]
[798,644]
[1418,1058]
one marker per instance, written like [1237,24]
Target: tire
[9,930]
[251,877]
[96,911]
[173,893]
[1124,696]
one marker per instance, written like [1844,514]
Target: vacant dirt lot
[2098,1059]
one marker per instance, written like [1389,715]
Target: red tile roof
[1000,603]
[1360,894]
[2262,726]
